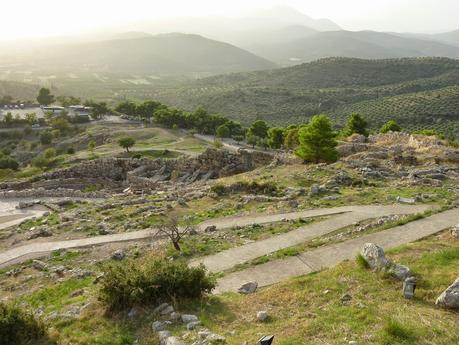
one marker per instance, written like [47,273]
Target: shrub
[390,126]
[6,162]
[150,281]
[19,327]
[46,138]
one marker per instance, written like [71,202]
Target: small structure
[409,286]
[266,340]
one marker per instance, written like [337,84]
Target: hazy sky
[24,18]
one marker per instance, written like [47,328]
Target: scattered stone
[38,232]
[346,298]
[374,256]
[119,255]
[400,272]
[187,318]
[353,342]
[168,310]
[39,265]
[262,316]
[192,325]
[210,228]
[174,341]
[160,308]
[402,200]
[133,312]
[409,286]
[157,326]
[450,297]
[174,316]
[248,288]
[455,231]
[215,338]
[163,335]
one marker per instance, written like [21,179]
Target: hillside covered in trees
[416,92]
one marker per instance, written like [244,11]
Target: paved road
[39,249]
[329,256]
[229,258]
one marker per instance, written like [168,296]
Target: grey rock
[374,256]
[174,341]
[262,316]
[187,318]
[174,316]
[248,288]
[157,326]
[216,338]
[39,265]
[210,228]
[119,255]
[450,297]
[160,308]
[455,231]
[400,272]
[38,232]
[192,325]
[163,335]
[168,310]
[409,201]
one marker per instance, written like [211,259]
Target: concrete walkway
[39,249]
[328,256]
[229,258]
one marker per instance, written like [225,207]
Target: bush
[151,281]
[390,126]
[46,138]
[19,327]
[7,162]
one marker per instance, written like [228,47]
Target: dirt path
[328,256]
[39,249]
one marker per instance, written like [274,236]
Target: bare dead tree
[173,231]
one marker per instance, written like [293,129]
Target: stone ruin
[139,174]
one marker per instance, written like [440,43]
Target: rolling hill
[417,92]
[358,44]
[162,55]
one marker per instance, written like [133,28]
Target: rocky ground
[134,195]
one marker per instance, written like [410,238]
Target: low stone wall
[56,193]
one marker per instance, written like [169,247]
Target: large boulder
[248,288]
[450,297]
[374,256]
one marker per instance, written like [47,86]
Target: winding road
[345,215]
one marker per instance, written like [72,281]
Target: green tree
[356,124]
[263,143]
[252,139]
[49,153]
[45,97]
[127,107]
[31,118]
[291,140]
[126,143]
[98,110]
[222,131]
[317,141]
[8,118]
[390,126]
[259,129]
[275,137]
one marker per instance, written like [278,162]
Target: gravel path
[40,249]
[329,256]
[229,258]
